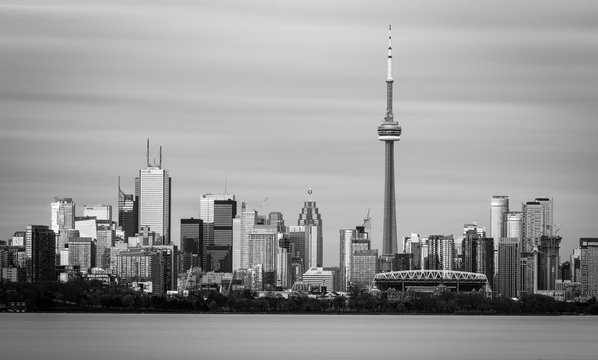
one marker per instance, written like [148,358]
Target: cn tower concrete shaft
[389,236]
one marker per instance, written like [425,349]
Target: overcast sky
[494,98]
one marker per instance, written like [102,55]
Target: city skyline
[497,100]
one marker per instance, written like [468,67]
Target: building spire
[389,59]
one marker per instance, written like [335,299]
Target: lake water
[227,336]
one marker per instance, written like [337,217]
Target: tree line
[93,296]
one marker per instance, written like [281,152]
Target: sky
[494,98]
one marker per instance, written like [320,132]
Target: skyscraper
[128,214]
[314,246]
[218,213]
[537,221]
[347,238]
[154,199]
[589,266]
[514,224]
[192,244]
[389,131]
[508,268]
[40,246]
[499,207]
[62,218]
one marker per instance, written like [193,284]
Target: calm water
[139,336]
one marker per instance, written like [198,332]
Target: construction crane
[367,221]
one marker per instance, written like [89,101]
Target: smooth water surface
[227,336]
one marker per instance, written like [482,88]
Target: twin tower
[389,131]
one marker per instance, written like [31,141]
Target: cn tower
[389,131]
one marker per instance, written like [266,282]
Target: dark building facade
[40,246]
[192,244]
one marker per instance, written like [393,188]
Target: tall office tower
[243,225]
[128,214]
[347,238]
[364,265]
[192,244]
[106,236]
[537,221]
[311,216]
[82,253]
[508,268]
[499,207]
[514,225]
[217,213]
[576,265]
[589,267]
[441,252]
[40,246]
[140,265]
[284,261]
[275,218]
[548,262]
[389,131]
[102,212]
[478,253]
[305,238]
[62,218]
[263,248]
[154,198]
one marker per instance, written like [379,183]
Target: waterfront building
[548,262]
[347,239]
[507,283]
[319,277]
[364,267]
[589,266]
[82,253]
[40,247]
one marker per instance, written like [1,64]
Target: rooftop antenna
[147,153]
[160,157]
[309,192]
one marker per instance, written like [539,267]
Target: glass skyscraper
[62,218]
[314,247]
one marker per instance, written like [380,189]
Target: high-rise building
[128,214]
[537,221]
[82,253]
[243,225]
[441,252]
[389,131]
[218,213]
[508,268]
[347,238]
[310,218]
[106,236]
[514,225]
[548,262]
[499,207]
[320,277]
[589,266]
[275,218]
[155,198]
[478,253]
[40,246]
[87,226]
[102,212]
[364,265]
[192,244]
[62,218]
[263,247]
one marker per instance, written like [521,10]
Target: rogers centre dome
[456,281]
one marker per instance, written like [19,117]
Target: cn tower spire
[389,131]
